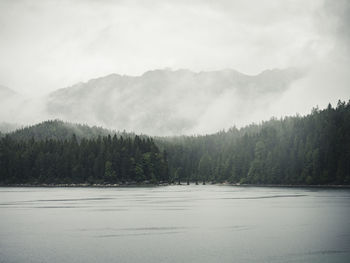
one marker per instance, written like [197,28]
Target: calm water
[174,224]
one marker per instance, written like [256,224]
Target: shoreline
[169,184]
[83,185]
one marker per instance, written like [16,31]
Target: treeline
[314,149]
[59,130]
[101,160]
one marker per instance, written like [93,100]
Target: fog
[49,45]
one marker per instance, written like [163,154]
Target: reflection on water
[174,224]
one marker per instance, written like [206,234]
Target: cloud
[53,44]
[327,62]
[47,45]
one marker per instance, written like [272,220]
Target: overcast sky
[47,45]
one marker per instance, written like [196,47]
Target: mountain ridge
[158,102]
[181,70]
[167,102]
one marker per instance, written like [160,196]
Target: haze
[48,45]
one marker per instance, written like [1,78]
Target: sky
[47,45]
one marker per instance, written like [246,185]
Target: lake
[204,223]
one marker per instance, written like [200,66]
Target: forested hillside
[59,130]
[314,149]
[102,160]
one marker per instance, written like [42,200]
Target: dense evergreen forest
[313,149]
[93,161]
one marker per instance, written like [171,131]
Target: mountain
[167,102]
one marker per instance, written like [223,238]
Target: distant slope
[166,102]
[59,130]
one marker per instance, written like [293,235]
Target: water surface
[174,224]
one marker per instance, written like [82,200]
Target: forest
[308,150]
[299,150]
[104,160]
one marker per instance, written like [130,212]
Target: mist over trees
[59,130]
[314,149]
[308,150]
[158,102]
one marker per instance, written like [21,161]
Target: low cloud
[48,45]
